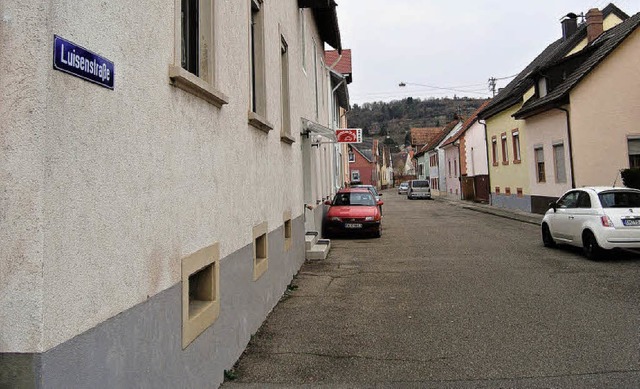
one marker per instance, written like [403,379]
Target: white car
[596,219]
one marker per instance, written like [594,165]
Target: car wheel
[590,246]
[378,233]
[547,239]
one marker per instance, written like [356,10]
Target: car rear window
[420,184]
[354,199]
[620,199]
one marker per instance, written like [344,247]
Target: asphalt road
[451,298]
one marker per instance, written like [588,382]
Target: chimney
[569,25]
[594,24]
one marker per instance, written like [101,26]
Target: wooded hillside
[395,118]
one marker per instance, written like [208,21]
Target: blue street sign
[80,62]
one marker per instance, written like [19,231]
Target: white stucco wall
[476,150]
[103,192]
[452,157]
[604,112]
[546,130]
[22,172]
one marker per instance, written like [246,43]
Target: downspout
[484,124]
[573,179]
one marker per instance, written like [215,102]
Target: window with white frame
[505,149]
[355,175]
[193,66]
[257,60]
[303,38]
[633,145]
[515,136]
[494,150]
[285,133]
[539,159]
[558,163]
[352,156]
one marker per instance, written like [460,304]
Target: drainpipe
[484,124]
[573,179]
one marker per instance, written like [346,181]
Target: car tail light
[606,221]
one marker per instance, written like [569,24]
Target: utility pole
[492,85]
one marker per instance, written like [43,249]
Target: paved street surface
[452,298]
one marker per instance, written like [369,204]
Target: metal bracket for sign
[317,144]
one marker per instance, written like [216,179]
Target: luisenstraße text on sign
[349,135]
[80,62]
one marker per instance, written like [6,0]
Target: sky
[448,44]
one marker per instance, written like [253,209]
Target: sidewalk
[512,214]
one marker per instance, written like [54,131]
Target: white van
[419,189]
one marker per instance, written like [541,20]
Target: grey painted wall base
[141,347]
[511,202]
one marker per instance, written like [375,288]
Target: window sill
[505,163]
[496,164]
[288,139]
[259,122]
[194,85]
[517,161]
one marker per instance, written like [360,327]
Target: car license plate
[352,225]
[631,222]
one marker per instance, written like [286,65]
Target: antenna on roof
[616,180]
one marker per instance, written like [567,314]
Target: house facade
[473,164]
[583,125]
[510,149]
[452,159]
[438,173]
[362,167]
[156,183]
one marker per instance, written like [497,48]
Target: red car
[353,211]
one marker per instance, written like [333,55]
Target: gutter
[484,124]
[573,179]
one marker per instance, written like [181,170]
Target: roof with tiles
[422,136]
[436,140]
[467,124]
[513,93]
[344,64]
[591,55]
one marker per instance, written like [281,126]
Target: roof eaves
[612,39]
[326,17]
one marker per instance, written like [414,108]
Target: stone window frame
[198,314]
[260,250]
[288,230]
[257,114]
[202,85]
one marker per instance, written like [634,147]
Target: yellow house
[583,119]
[510,151]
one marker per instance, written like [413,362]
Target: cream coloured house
[156,182]
[583,119]
[510,148]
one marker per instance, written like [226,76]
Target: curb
[490,210]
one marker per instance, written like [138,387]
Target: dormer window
[542,87]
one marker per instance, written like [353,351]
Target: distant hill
[395,118]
